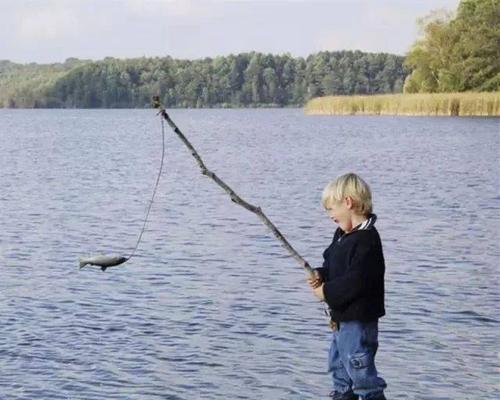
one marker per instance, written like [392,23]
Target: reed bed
[451,104]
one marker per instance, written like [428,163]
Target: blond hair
[349,185]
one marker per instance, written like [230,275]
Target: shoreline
[467,104]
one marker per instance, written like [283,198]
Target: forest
[243,80]
[457,51]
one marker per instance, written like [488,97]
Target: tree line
[243,80]
[458,51]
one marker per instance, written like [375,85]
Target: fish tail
[83,262]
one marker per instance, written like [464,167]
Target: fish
[102,260]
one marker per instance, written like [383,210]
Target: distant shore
[419,104]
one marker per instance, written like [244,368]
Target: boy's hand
[316,284]
[316,281]
[318,292]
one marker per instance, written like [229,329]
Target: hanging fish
[102,260]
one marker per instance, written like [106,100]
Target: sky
[47,31]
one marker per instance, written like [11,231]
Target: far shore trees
[458,52]
[242,80]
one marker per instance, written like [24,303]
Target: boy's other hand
[318,292]
[316,281]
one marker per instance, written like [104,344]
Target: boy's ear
[348,202]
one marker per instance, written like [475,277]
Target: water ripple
[212,307]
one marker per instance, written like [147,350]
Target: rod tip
[156,102]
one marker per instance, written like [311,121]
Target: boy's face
[341,212]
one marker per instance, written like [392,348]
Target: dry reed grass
[454,104]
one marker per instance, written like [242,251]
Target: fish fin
[103,268]
[82,262]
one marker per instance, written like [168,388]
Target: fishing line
[106,261]
[154,189]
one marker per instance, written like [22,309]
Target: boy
[351,282]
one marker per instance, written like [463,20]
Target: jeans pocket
[360,360]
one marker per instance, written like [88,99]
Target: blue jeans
[352,359]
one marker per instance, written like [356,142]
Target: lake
[212,307]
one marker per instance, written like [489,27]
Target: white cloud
[52,30]
[47,21]
[165,8]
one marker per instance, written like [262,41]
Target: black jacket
[353,272]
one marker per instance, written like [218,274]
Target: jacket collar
[366,224]
[363,226]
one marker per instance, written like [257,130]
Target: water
[213,307]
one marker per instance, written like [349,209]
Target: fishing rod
[232,194]
[106,261]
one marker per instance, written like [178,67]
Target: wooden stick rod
[232,194]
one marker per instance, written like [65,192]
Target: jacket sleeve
[341,291]
[323,271]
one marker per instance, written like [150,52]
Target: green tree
[237,80]
[457,53]
[478,27]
